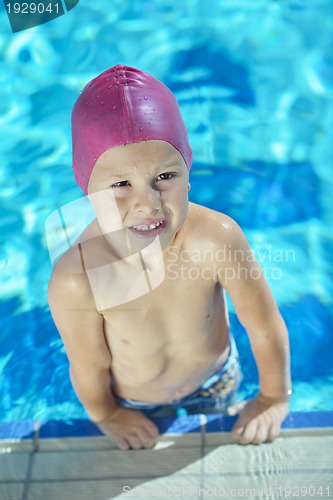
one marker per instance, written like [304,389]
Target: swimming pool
[254,81]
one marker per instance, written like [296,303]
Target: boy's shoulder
[210,226]
[70,263]
[68,287]
[69,279]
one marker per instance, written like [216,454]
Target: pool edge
[31,430]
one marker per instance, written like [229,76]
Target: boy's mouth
[149,229]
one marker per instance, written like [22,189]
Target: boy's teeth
[148,227]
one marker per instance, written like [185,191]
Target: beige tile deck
[102,474]
[14,466]
[83,490]
[74,443]
[11,491]
[191,466]
[273,469]
[10,445]
[282,456]
[102,464]
[105,443]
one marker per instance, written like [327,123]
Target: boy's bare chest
[177,314]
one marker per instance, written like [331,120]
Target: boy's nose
[148,201]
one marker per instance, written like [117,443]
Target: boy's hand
[259,419]
[130,429]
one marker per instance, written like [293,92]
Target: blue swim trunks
[219,391]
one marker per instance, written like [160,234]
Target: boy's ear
[189,186]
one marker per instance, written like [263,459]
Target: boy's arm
[256,309]
[81,328]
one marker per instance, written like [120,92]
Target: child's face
[149,182]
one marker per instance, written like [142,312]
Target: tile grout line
[35,449]
[203,422]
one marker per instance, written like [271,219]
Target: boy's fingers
[241,423]
[274,431]
[151,429]
[236,434]
[135,442]
[261,435]
[238,430]
[249,434]
[146,438]
[122,443]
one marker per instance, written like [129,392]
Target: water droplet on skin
[145,98]
[141,128]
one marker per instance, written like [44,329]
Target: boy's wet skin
[164,344]
[173,349]
[158,334]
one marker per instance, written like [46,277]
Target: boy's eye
[120,184]
[166,176]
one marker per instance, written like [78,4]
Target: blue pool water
[255,84]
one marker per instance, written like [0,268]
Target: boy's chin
[152,243]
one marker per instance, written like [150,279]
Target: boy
[139,299]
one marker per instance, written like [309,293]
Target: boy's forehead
[145,155]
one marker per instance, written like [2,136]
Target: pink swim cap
[123,105]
